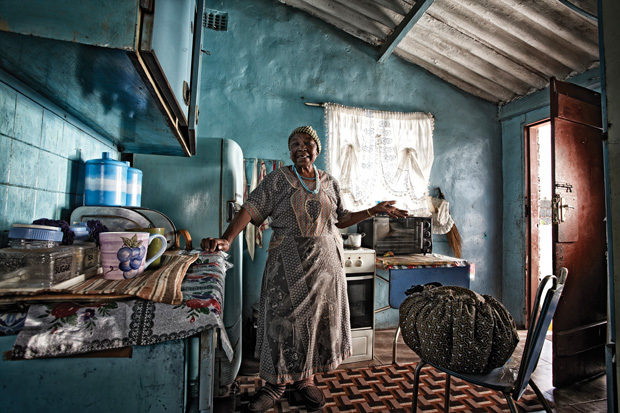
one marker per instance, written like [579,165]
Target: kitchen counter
[159,285]
[171,345]
[419,261]
[97,314]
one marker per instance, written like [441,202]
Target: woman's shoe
[265,398]
[312,395]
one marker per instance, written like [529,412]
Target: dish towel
[265,224]
[250,229]
[245,184]
[444,224]
[442,221]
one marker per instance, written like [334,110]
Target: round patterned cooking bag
[458,329]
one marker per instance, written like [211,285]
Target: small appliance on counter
[411,235]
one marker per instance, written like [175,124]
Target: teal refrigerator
[200,194]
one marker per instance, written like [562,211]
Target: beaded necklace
[317,187]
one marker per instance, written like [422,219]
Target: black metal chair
[505,379]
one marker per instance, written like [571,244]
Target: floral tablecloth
[67,328]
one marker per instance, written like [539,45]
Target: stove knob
[426,225]
[347,263]
[427,234]
[358,262]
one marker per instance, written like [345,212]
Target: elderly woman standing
[303,314]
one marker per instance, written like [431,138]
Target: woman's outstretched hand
[214,244]
[388,207]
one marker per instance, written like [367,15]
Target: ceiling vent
[216,20]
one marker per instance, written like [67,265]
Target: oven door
[360,290]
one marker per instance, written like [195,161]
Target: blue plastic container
[105,182]
[81,231]
[134,187]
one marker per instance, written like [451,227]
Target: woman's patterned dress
[303,325]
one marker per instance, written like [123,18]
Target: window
[380,156]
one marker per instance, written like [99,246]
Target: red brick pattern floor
[388,389]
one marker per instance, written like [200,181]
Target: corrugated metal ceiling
[498,50]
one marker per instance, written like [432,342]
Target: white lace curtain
[380,156]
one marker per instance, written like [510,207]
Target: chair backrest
[544,308]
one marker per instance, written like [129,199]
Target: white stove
[359,267]
[359,260]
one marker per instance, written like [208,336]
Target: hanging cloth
[245,184]
[444,224]
[250,229]
[379,155]
[442,221]
[265,224]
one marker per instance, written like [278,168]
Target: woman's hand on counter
[214,244]
[388,207]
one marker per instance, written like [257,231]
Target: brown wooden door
[580,322]
[533,168]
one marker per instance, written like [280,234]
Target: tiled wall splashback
[42,157]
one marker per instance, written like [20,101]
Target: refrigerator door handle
[232,207]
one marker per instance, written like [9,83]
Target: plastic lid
[20,232]
[79,229]
[46,227]
[106,159]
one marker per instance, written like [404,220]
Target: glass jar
[36,267]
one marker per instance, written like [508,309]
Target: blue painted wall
[273,58]
[42,155]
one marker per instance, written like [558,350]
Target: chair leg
[416,382]
[394,345]
[511,403]
[446,407]
[542,399]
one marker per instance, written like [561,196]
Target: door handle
[232,208]
[559,209]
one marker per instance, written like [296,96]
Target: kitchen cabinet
[129,69]
[174,376]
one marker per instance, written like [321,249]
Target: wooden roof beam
[399,33]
